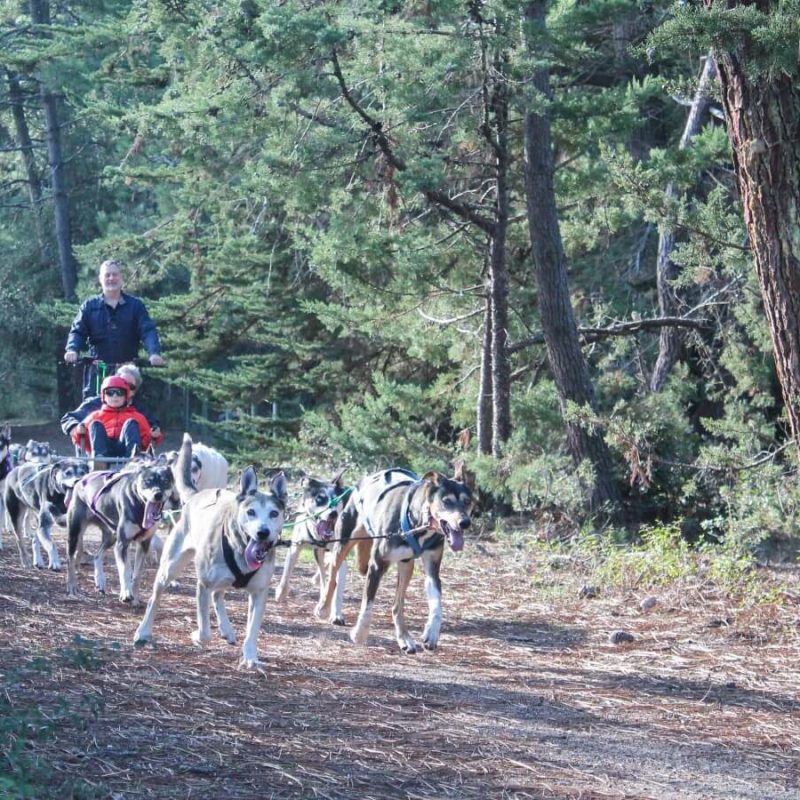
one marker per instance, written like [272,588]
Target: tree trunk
[501,369]
[763,116]
[25,145]
[484,410]
[40,14]
[570,371]
[670,340]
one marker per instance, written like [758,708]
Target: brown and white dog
[394,517]
[231,537]
[319,509]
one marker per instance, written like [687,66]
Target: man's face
[111,277]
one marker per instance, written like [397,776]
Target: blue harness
[412,480]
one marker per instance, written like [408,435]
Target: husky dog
[43,490]
[125,506]
[321,505]
[231,536]
[37,452]
[6,465]
[209,467]
[394,517]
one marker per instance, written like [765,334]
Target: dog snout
[264,533]
[158,496]
[464,523]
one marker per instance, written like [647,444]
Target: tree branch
[588,335]
[384,145]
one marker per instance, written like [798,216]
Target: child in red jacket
[116,427]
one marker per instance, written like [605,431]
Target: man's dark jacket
[113,334]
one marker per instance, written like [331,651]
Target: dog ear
[336,480]
[280,487]
[463,475]
[432,477]
[248,484]
[135,451]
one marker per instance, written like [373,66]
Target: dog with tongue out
[395,517]
[231,536]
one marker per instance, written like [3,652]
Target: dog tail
[183,470]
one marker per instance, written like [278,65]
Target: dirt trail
[526,697]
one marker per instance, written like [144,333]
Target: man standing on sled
[112,324]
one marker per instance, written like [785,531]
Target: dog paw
[55,567]
[199,639]
[140,639]
[358,637]
[321,611]
[281,595]
[337,620]
[125,597]
[408,646]
[230,638]
[251,663]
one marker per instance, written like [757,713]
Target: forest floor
[526,696]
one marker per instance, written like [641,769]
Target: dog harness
[412,480]
[240,579]
[150,515]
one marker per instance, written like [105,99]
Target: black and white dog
[126,506]
[231,537]
[394,517]
[42,490]
[6,465]
[319,509]
[32,452]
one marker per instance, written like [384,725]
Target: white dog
[209,471]
[209,467]
[232,539]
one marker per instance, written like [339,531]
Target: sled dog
[231,537]
[394,517]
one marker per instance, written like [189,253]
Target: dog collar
[407,527]
[240,579]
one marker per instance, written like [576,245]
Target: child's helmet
[115,382]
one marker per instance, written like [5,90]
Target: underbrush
[29,717]
[657,557]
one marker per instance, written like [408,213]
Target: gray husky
[231,537]
[126,506]
[394,517]
[41,490]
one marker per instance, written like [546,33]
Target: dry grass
[526,697]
